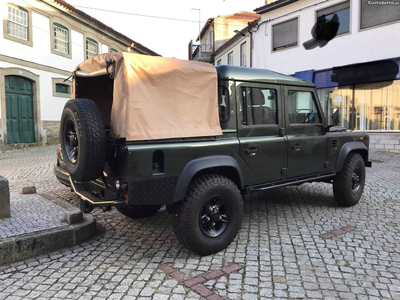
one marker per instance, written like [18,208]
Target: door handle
[296,147]
[251,151]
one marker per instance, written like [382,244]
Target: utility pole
[199,22]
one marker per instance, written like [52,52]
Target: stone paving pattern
[279,247]
[31,213]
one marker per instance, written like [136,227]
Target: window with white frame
[285,34]
[243,55]
[211,38]
[18,22]
[91,48]
[61,38]
[375,15]
[230,58]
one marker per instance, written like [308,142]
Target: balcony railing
[202,52]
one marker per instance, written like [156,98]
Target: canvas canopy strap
[159,98]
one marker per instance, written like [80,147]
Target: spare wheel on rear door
[83,139]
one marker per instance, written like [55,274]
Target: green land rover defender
[143,132]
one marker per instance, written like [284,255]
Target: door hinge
[284,172]
[282,131]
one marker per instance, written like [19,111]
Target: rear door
[260,117]
[307,140]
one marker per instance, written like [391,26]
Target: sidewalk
[38,225]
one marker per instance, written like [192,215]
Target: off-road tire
[91,134]
[343,184]
[138,211]
[187,214]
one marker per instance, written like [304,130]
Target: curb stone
[28,245]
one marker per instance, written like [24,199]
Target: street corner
[37,225]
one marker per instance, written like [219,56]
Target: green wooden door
[19,110]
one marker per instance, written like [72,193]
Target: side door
[260,117]
[307,151]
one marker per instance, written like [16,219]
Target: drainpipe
[251,49]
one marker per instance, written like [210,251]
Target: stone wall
[385,142]
[51,131]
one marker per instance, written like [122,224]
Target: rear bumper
[80,190]
[62,175]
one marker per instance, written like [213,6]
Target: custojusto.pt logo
[384,2]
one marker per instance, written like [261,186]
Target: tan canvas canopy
[158,98]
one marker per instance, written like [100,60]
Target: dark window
[302,108]
[62,88]
[260,106]
[218,62]
[342,10]
[285,34]
[223,104]
[375,14]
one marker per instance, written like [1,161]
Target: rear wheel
[209,217]
[138,211]
[348,184]
[83,139]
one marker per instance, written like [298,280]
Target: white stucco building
[236,51]
[356,73]
[42,41]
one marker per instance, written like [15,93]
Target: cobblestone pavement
[31,213]
[295,242]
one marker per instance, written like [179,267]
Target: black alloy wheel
[213,218]
[71,142]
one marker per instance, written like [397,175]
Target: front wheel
[209,217]
[348,185]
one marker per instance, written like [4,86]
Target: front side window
[285,34]
[18,22]
[375,14]
[342,13]
[261,106]
[61,38]
[91,48]
[230,58]
[302,108]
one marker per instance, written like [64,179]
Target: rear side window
[302,108]
[223,104]
[261,106]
